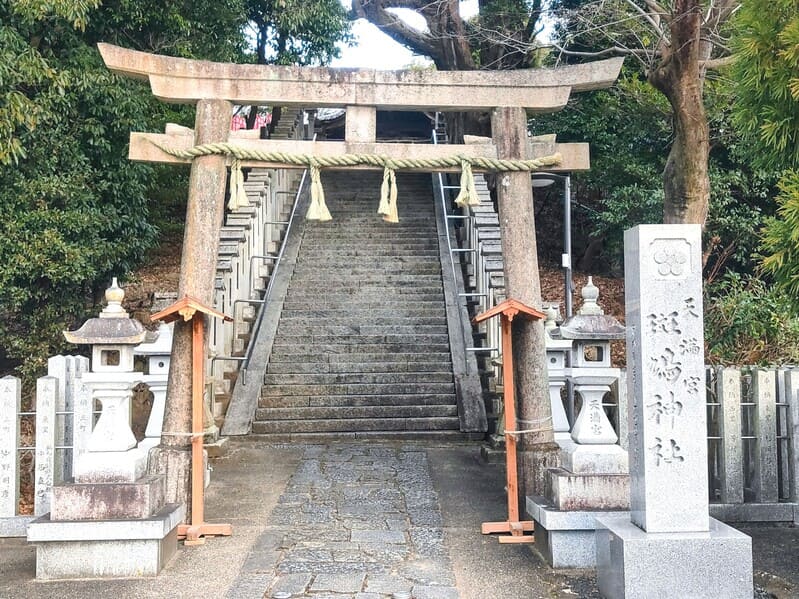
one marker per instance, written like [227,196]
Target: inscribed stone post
[792,397]
[668,446]
[766,486]
[46,398]
[10,398]
[67,369]
[669,544]
[83,419]
[729,397]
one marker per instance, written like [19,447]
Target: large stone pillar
[537,451]
[204,215]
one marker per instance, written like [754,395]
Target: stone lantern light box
[112,336]
[591,331]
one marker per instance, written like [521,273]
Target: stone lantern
[112,521]
[111,449]
[592,478]
[591,331]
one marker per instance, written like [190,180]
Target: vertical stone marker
[669,542]
[46,398]
[10,394]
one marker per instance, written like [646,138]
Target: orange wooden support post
[192,310]
[507,310]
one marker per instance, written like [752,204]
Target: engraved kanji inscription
[665,409]
[691,384]
[662,322]
[690,345]
[666,451]
[666,366]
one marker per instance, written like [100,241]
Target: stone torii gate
[215,87]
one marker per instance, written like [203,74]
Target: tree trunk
[679,77]
[537,451]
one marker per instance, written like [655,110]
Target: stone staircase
[361,348]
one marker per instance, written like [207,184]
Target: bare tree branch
[376,13]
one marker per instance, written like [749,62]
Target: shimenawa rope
[388,189]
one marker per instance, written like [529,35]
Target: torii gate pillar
[204,214]
[537,451]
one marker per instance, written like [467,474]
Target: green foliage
[781,237]
[302,32]
[629,129]
[73,209]
[748,321]
[766,80]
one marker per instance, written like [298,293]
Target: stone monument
[112,521]
[592,478]
[669,541]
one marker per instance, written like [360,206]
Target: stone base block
[218,448]
[15,526]
[755,512]
[594,459]
[490,455]
[110,466]
[569,491]
[105,549]
[633,564]
[565,538]
[108,501]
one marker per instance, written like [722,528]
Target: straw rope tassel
[236,183]
[318,208]
[467,196]
[388,195]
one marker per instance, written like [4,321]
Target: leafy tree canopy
[303,32]
[73,209]
[765,79]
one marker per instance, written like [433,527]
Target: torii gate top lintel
[182,80]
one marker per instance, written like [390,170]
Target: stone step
[353,400]
[356,340]
[365,228]
[360,378]
[301,366]
[337,270]
[335,282]
[358,357]
[367,348]
[357,389]
[448,436]
[386,256]
[356,412]
[366,311]
[341,294]
[313,320]
[355,425]
[324,329]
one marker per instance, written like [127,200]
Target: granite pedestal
[105,548]
[669,546]
[633,564]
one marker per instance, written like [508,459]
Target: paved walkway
[359,521]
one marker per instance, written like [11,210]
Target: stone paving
[355,521]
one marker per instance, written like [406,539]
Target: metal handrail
[257,325]
[472,249]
